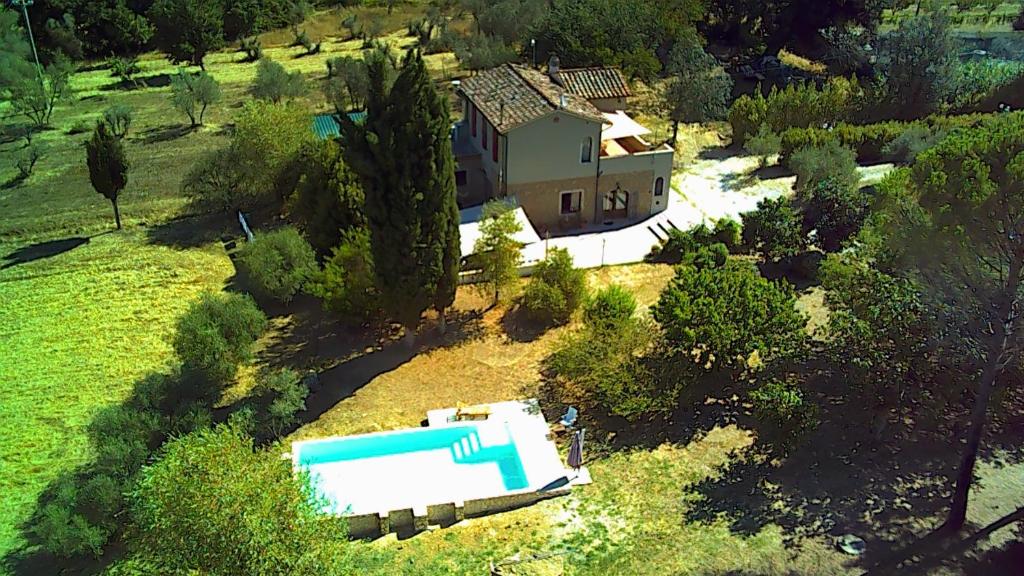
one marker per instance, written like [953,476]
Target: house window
[570,201]
[586,150]
[472,119]
[659,186]
[494,145]
[483,134]
[460,177]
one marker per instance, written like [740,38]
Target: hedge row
[869,140]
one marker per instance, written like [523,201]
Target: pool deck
[424,488]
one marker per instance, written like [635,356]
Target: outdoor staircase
[466,447]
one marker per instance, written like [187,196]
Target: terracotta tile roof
[592,83]
[512,95]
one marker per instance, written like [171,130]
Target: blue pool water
[506,456]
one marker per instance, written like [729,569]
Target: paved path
[705,191]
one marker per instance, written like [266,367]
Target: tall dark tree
[966,197]
[402,153]
[188,29]
[108,165]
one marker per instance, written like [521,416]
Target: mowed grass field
[86,311]
[78,330]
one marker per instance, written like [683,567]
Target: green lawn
[78,329]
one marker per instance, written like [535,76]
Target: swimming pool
[377,473]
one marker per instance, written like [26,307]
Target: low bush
[556,290]
[869,141]
[80,126]
[253,49]
[215,335]
[763,144]
[713,256]
[347,282]
[119,119]
[728,232]
[609,307]
[278,263]
[813,164]
[681,243]
[27,160]
[277,398]
[124,68]
[783,406]
[774,229]
[617,369]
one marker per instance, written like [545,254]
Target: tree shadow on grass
[801,271]
[164,133]
[519,327]
[194,230]
[720,153]
[843,477]
[139,82]
[43,250]
[344,379]
[14,181]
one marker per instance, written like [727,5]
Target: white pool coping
[420,491]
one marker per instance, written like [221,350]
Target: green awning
[325,126]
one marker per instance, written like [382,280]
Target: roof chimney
[563,100]
[553,66]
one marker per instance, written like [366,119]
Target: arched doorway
[616,204]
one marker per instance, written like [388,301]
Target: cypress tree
[402,153]
[108,165]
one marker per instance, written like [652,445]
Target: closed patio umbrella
[576,450]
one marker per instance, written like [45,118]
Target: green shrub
[783,406]
[123,438]
[278,263]
[215,335]
[617,369]
[124,67]
[119,119]
[712,256]
[774,229]
[253,49]
[347,284]
[556,289]
[65,533]
[746,115]
[27,160]
[545,304]
[813,164]
[609,307]
[728,232]
[680,244]
[80,126]
[798,105]
[836,211]
[914,140]
[717,317]
[279,396]
[274,83]
[763,144]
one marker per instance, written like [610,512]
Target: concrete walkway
[705,191]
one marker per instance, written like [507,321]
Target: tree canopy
[720,315]
[187,30]
[961,227]
[213,503]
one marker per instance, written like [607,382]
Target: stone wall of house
[609,104]
[542,203]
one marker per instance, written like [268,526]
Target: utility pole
[31,40]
